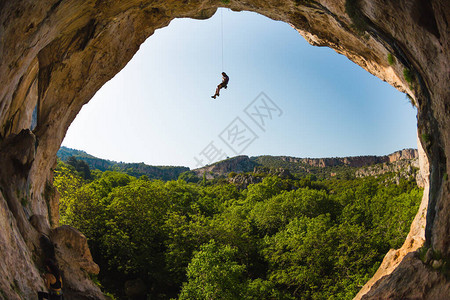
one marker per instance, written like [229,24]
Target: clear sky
[316,103]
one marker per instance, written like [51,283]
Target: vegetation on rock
[391,59]
[408,75]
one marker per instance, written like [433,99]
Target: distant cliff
[238,164]
[355,161]
[302,166]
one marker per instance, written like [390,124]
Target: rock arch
[56,54]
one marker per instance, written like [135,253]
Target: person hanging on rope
[224,84]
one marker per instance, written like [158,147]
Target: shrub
[407,74]
[422,253]
[426,137]
[213,273]
[391,59]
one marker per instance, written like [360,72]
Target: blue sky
[159,110]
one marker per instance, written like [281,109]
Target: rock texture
[404,166]
[73,255]
[427,282]
[356,161]
[236,164]
[243,180]
[56,54]
[406,159]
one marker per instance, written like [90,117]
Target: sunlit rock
[56,54]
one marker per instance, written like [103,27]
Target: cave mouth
[332,107]
[389,106]
[56,55]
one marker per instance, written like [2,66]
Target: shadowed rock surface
[56,54]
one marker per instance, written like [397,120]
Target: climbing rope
[221,21]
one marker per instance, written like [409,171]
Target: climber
[224,84]
[53,282]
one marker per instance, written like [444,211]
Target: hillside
[320,167]
[403,162]
[133,169]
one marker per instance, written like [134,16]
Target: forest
[282,238]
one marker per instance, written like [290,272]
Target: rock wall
[402,160]
[356,161]
[237,164]
[404,164]
[56,54]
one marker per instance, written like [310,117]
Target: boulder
[75,260]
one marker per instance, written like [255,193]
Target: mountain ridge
[321,167]
[302,166]
[133,169]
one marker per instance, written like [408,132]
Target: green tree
[278,239]
[269,187]
[66,180]
[259,289]
[214,273]
[136,214]
[273,214]
[80,166]
[189,176]
[185,234]
[301,256]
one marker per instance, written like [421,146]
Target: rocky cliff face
[56,54]
[405,163]
[242,163]
[355,161]
[236,164]
[404,168]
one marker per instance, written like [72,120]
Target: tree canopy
[295,238]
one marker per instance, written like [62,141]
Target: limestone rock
[424,166]
[426,284]
[20,277]
[404,168]
[403,159]
[56,54]
[355,161]
[17,154]
[75,259]
[359,161]
[242,181]
[40,223]
[403,154]
[73,248]
[236,164]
